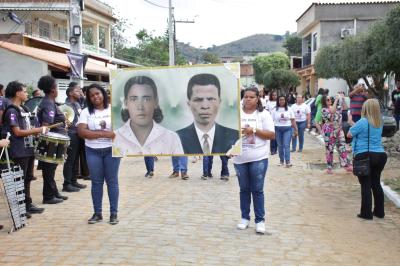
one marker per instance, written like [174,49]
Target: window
[102,37]
[62,33]
[315,42]
[44,29]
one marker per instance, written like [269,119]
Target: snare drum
[52,148]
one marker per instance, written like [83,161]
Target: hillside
[246,46]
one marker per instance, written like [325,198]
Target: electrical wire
[154,4]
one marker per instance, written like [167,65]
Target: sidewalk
[311,219]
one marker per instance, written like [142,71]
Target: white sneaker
[260,228]
[243,224]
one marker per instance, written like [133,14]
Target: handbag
[361,165]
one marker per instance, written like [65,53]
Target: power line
[154,4]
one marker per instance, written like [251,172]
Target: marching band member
[71,165]
[16,120]
[48,114]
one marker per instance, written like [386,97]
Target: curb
[391,194]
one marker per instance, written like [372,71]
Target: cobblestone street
[310,217]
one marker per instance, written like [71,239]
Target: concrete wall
[22,68]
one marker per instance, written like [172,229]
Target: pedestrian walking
[207,167]
[302,116]
[149,162]
[367,143]
[251,166]
[283,118]
[271,105]
[179,164]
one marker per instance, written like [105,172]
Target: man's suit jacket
[224,138]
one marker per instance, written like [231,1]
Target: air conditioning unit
[346,33]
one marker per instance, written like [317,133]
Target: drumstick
[55,125]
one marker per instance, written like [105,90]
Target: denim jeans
[251,177]
[301,127]
[102,166]
[273,146]
[208,162]
[397,118]
[283,136]
[179,164]
[149,162]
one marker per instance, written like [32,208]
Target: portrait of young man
[204,135]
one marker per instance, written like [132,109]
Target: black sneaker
[224,177]
[113,219]
[96,218]
[28,215]
[77,185]
[52,201]
[33,209]
[70,188]
[204,177]
[59,196]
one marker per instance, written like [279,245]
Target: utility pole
[75,33]
[171,35]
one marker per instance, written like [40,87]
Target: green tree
[150,51]
[212,58]
[263,64]
[281,80]
[292,45]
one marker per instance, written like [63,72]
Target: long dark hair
[141,80]
[270,95]
[259,108]
[102,90]
[323,100]
[277,102]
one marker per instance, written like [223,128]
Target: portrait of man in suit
[204,135]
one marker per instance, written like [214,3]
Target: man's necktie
[206,145]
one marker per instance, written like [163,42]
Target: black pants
[70,170]
[83,167]
[24,164]
[373,181]
[49,184]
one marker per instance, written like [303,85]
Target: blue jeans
[273,146]
[149,162]
[208,162]
[179,164]
[397,118]
[102,166]
[283,136]
[251,177]
[301,127]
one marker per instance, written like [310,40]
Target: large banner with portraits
[191,110]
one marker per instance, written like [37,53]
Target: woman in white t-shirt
[283,118]
[302,116]
[251,165]
[94,126]
[271,105]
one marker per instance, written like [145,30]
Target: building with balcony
[45,27]
[328,23]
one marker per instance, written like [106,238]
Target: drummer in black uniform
[16,121]
[49,114]
[71,165]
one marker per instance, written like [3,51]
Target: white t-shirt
[99,120]
[282,117]
[300,112]
[160,141]
[254,148]
[270,106]
[264,102]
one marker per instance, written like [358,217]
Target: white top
[210,133]
[160,141]
[264,102]
[254,148]
[99,120]
[300,112]
[282,117]
[270,106]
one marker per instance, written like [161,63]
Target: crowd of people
[271,124]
